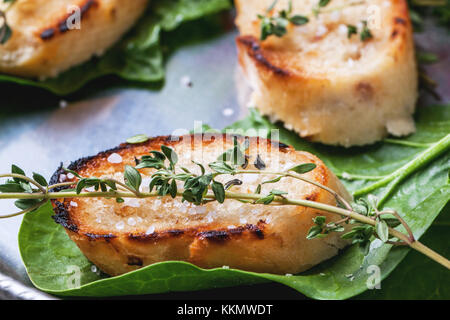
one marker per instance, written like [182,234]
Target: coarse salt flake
[150,230]
[227,112]
[131,221]
[73,204]
[120,225]
[115,158]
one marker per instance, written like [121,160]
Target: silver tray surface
[37,134]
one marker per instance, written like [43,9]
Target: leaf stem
[419,161]
[229,195]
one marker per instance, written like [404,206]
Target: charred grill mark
[47,34]
[62,25]
[93,236]
[156,235]
[217,236]
[62,217]
[399,20]
[135,261]
[256,230]
[255,52]
[209,235]
[281,146]
[259,163]
[394,34]
[175,232]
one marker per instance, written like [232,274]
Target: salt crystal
[200,209]
[231,227]
[150,230]
[268,219]
[321,30]
[225,267]
[227,112]
[350,62]
[115,158]
[131,202]
[120,225]
[63,104]
[288,274]
[62,178]
[73,204]
[131,221]
[243,221]
[98,220]
[94,269]
[90,189]
[70,176]
[343,29]
[186,81]
[139,220]
[249,178]
[335,16]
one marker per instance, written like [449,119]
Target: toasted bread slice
[324,85]
[121,237]
[47,40]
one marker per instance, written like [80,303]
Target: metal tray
[37,132]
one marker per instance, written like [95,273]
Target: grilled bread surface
[45,40]
[121,237]
[324,85]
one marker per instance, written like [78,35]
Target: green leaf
[299,20]
[15,169]
[139,138]
[303,168]
[319,220]
[382,230]
[11,187]
[219,191]
[418,196]
[139,55]
[132,177]
[24,204]
[40,179]
[221,167]
[170,155]
[314,232]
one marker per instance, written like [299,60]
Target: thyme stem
[236,196]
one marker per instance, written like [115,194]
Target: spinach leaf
[138,56]
[418,195]
[417,278]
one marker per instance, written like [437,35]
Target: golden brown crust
[257,244]
[329,88]
[48,40]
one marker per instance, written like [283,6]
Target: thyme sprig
[361,220]
[277,24]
